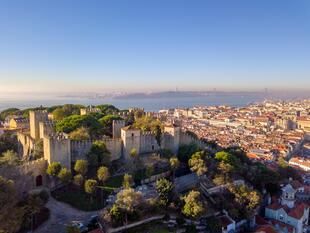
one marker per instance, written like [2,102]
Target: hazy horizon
[130,46]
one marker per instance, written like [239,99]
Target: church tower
[288,196]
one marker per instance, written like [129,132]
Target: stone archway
[39,181]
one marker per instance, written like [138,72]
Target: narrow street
[60,215]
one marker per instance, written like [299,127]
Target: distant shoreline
[149,101]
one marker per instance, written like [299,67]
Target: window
[153,147]
[132,135]
[281,217]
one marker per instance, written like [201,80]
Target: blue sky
[130,45]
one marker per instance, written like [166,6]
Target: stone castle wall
[117,125]
[46,128]
[130,140]
[115,147]
[79,149]
[35,117]
[25,144]
[57,149]
[24,176]
[148,143]
[186,139]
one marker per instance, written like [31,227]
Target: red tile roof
[298,211]
[98,230]
[265,229]
[225,221]
[274,206]
[260,220]
[283,225]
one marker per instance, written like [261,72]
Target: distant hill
[182,94]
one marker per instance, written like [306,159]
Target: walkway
[60,215]
[119,229]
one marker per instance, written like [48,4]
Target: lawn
[114,181]
[78,198]
[151,227]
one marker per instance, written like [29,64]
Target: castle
[58,147]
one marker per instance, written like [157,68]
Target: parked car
[82,228]
[93,222]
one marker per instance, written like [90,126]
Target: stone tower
[35,117]
[131,140]
[46,128]
[172,137]
[288,196]
[117,125]
[57,149]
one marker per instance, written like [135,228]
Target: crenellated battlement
[147,133]
[107,140]
[57,136]
[49,123]
[118,121]
[81,144]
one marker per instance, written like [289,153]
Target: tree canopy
[65,175]
[193,207]
[186,151]
[81,166]
[53,168]
[128,180]
[8,141]
[197,164]
[90,186]
[164,189]
[60,112]
[73,122]
[80,134]
[147,123]
[11,213]
[102,173]
[99,155]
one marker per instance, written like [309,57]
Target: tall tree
[225,169]
[103,174]
[197,164]
[158,134]
[11,216]
[90,187]
[127,199]
[164,189]
[80,134]
[193,207]
[174,164]
[99,155]
[38,151]
[135,158]
[53,169]
[128,180]
[10,158]
[65,175]
[247,198]
[81,166]
[78,180]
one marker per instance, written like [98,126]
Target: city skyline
[75,46]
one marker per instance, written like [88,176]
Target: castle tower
[117,125]
[173,134]
[35,117]
[46,128]
[57,149]
[131,140]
